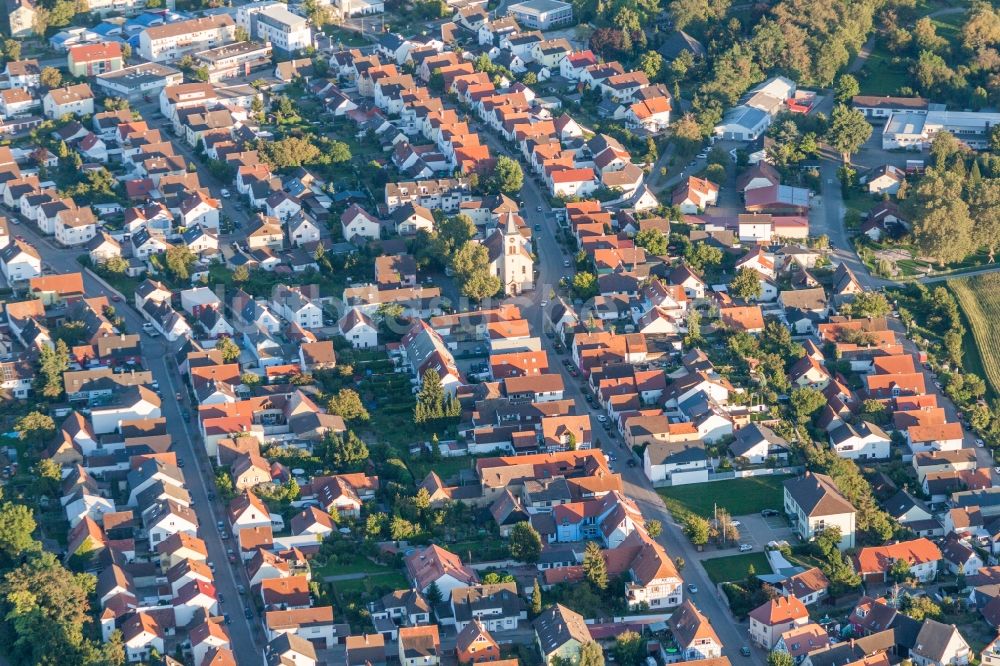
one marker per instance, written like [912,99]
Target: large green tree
[653,240]
[36,428]
[52,363]
[347,404]
[525,543]
[471,264]
[507,176]
[848,131]
[346,452]
[746,284]
[595,567]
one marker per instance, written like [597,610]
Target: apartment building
[173,40]
[272,22]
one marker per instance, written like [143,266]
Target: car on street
[745,651]
[980,443]
[997,470]
[223,535]
[227,618]
[767,513]
[225,193]
[241,589]
[544,303]
[692,588]
[231,554]
[116,298]
[247,613]
[702,156]
[538,227]
[735,523]
[180,462]
[566,263]
[632,462]
[539,209]
[744,547]
[221,525]
[186,414]
[221,598]
[602,418]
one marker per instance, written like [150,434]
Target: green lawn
[446,468]
[734,567]
[739,496]
[333,568]
[345,37]
[391,580]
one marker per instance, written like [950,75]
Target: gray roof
[933,638]
[478,600]
[750,436]
[817,495]
[664,453]
[558,625]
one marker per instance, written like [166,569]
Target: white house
[20,261]
[359,329]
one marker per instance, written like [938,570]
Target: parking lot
[759,531]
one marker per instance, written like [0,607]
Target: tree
[230,350]
[347,404]
[48,470]
[52,363]
[701,255]
[17,525]
[900,570]
[525,543]
[241,34]
[51,77]
[346,451]
[434,596]
[375,525]
[653,240]
[180,259]
[12,49]
[869,304]
[942,224]
[47,607]
[654,528]
[591,654]
[805,402]
[651,63]
[745,284]
[630,649]
[847,88]
[115,266]
[289,152]
[507,176]
[921,608]
[585,285]
[471,265]
[536,599]
[432,401]
[696,528]
[36,428]
[848,131]
[595,568]
[126,51]
[780,658]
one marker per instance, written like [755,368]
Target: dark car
[180,462]
[631,462]
[247,613]
[227,618]
[767,513]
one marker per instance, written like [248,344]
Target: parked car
[744,547]
[767,513]
[745,651]
[692,588]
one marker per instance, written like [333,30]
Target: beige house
[813,503]
[21,18]
[561,633]
[939,644]
[769,621]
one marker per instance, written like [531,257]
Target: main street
[550,259]
[158,355]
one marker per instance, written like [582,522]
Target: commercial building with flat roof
[542,14]
[915,131]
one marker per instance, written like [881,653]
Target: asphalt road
[158,354]
[636,485]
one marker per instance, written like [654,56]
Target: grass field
[979,299]
[392,580]
[738,496]
[734,567]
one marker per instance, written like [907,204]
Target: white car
[744,547]
[735,523]
[602,418]
[544,304]
[980,443]
[225,193]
